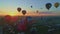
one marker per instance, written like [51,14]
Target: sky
[10,6]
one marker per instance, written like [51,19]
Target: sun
[12,13]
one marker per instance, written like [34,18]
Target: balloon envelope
[14,19]
[31,6]
[7,18]
[23,12]
[48,5]
[56,4]
[37,11]
[18,9]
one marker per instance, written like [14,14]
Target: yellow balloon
[56,4]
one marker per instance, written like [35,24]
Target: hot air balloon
[31,6]
[56,5]
[37,11]
[18,9]
[23,12]
[14,19]
[48,5]
[7,18]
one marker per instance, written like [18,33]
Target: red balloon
[14,19]
[7,18]
[18,9]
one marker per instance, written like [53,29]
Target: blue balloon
[31,6]
[48,5]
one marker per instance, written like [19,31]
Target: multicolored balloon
[23,12]
[19,9]
[48,5]
[56,5]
